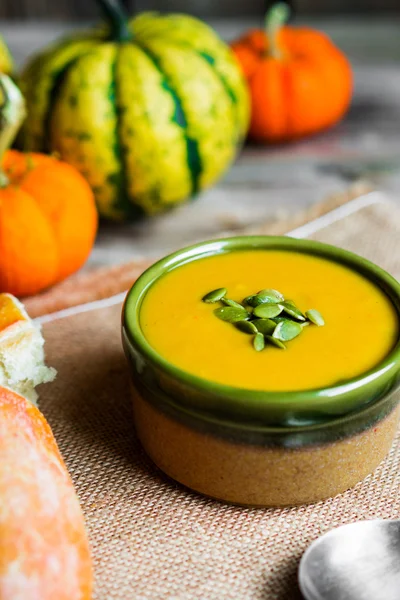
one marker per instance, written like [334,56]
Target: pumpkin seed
[229,302]
[289,301]
[267,311]
[250,301]
[287,330]
[315,317]
[259,342]
[292,310]
[274,342]
[285,320]
[271,295]
[279,319]
[231,314]
[264,326]
[258,316]
[264,297]
[246,326]
[214,295]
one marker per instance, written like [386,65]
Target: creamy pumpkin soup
[360,322]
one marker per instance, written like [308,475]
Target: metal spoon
[360,561]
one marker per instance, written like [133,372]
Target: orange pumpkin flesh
[44,552]
[48,222]
[306,89]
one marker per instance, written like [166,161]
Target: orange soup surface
[361,324]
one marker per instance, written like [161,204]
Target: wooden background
[86,9]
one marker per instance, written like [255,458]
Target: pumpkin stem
[275,18]
[118,19]
[12,113]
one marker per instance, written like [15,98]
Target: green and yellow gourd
[150,110]
[6,62]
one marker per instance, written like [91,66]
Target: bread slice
[22,364]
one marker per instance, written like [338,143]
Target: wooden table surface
[267,180]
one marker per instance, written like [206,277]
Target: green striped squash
[151,110]
[6,63]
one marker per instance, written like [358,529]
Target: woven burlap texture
[152,539]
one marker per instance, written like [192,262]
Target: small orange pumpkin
[48,218]
[299,81]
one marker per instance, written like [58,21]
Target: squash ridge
[122,202]
[192,147]
[58,80]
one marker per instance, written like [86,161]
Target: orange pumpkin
[299,81]
[48,218]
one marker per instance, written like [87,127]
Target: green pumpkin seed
[315,317]
[289,301]
[271,296]
[267,311]
[293,311]
[287,330]
[264,326]
[279,319]
[274,342]
[246,326]
[214,296]
[229,302]
[231,314]
[259,342]
[285,320]
[267,327]
[250,301]
[264,297]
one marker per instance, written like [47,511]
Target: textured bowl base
[261,476]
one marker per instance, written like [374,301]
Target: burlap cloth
[152,539]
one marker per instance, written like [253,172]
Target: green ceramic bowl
[224,404]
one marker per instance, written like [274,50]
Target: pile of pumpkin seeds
[267,316]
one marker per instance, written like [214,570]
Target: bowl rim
[264,401]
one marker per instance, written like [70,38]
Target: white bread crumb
[22,365]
